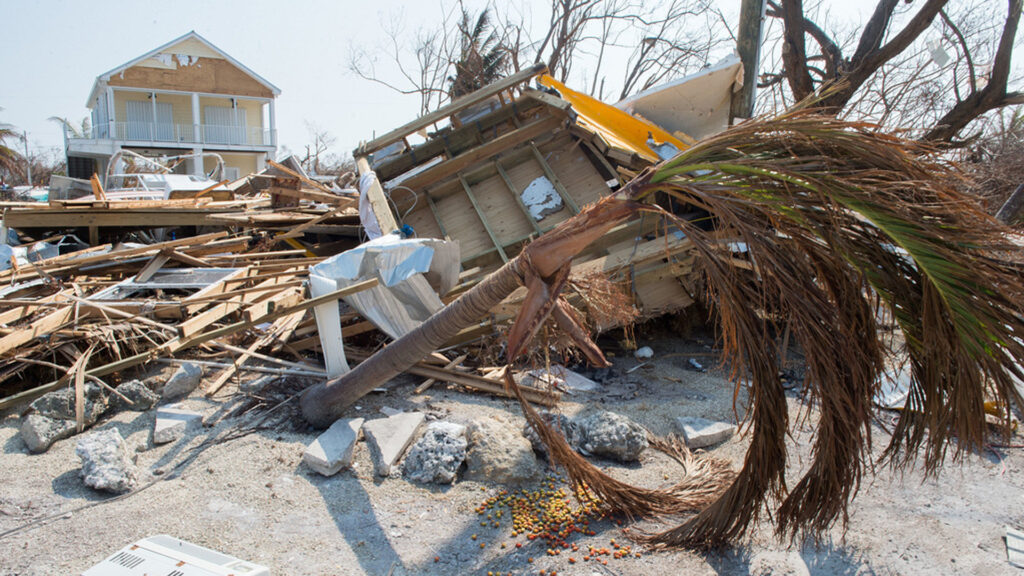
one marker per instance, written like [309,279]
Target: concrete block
[333,449]
[388,438]
[183,381]
[701,432]
[107,464]
[172,422]
[40,432]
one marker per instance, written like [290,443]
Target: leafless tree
[421,67]
[319,158]
[658,41]
[931,67]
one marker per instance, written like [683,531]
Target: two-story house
[187,96]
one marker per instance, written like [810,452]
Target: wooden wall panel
[504,216]
[521,175]
[211,75]
[463,225]
[574,169]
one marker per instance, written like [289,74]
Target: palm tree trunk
[323,403]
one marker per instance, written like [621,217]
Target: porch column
[273,125]
[110,114]
[152,127]
[197,136]
[197,162]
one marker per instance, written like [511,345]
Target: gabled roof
[102,78]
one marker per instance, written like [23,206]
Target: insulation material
[366,215]
[696,105]
[412,272]
[541,198]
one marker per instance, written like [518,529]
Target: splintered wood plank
[37,328]
[661,295]
[22,311]
[438,172]
[378,200]
[446,111]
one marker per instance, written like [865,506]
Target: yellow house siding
[188,47]
[253,113]
[246,163]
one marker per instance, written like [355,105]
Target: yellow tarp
[617,127]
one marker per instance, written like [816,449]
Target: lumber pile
[218,299]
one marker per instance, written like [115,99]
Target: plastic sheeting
[412,272]
[366,216]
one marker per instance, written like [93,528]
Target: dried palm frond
[834,213]
[835,217]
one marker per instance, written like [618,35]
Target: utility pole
[28,161]
[748,44]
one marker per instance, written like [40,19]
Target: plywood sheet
[209,75]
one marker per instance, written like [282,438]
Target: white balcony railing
[182,133]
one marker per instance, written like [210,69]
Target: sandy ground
[251,497]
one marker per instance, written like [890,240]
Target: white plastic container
[166,555]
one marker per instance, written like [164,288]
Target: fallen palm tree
[837,218]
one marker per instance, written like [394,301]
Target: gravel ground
[250,496]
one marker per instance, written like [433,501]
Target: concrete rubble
[107,463]
[612,435]
[388,438]
[437,455]
[138,393]
[498,453]
[183,382]
[172,422]
[701,432]
[53,416]
[332,451]
[570,430]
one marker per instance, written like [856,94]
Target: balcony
[155,133]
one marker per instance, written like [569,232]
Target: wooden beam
[178,343]
[108,218]
[554,179]
[483,219]
[454,141]
[518,197]
[449,110]
[544,125]
[313,196]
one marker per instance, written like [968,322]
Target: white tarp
[366,216]
[409,270]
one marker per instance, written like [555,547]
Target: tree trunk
[1010,211]
[323,403]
